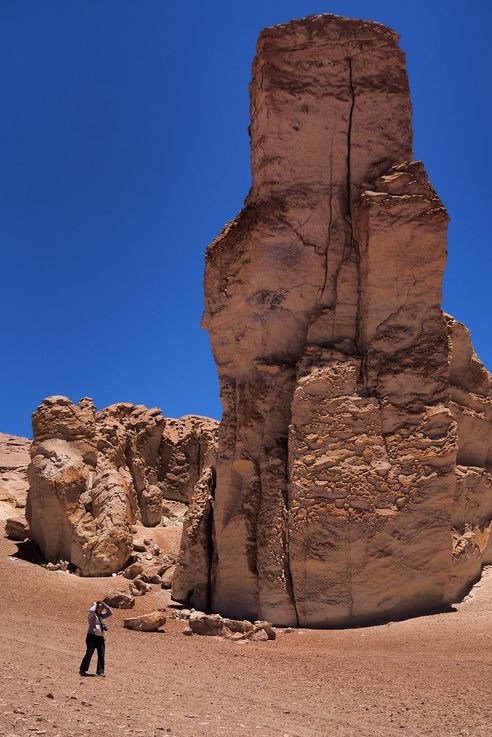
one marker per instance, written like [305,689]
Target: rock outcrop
[81,498]
[14,460]
[119,600]
[471,405]
[94,474]
[16,528]
[213,625]
[188,446]
[336,499]
[191,580]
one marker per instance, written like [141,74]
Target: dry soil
[424,676]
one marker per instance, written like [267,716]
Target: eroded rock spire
[336,491]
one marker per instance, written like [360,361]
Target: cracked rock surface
[94,474]
[14,459]
[471,406]
[338,498]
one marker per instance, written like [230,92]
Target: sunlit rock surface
[338,496]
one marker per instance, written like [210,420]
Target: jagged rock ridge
[338,497]
[94,474]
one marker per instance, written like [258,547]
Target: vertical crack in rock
[330,220]
[349,151]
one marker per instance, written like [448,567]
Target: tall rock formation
[336,479]
[93,474]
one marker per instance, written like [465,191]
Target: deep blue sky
[124,149]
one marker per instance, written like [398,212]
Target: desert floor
[426,676]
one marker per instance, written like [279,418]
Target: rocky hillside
[94,475]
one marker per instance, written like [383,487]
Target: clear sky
[124,150]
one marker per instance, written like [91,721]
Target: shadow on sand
[29,552]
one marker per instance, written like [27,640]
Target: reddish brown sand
[426,676]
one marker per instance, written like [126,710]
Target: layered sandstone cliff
[94,474]
[14,459]
[336,496]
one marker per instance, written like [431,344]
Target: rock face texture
[188,446]
[191,579]
[14,460]
[336,497]
[94,474]
[471,405]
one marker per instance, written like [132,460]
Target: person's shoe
[82,672]
[103,675]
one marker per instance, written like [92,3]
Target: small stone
[119,600]
[135,569]
[141,585]
[259,636]
[167,578]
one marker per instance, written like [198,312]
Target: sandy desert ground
[425,676]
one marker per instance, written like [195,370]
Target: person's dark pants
[93,642]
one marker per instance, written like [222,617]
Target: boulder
[119,600]
[164,567]
[167,577]
[133,570]
[259,635]
[59,565]
[151,576]
[140,585]
[146,622]
[266,627]
[181,614]
[238,625]
[16,528]
[211,625]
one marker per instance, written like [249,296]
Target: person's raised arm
[108,612]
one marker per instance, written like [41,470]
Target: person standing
[98,611]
